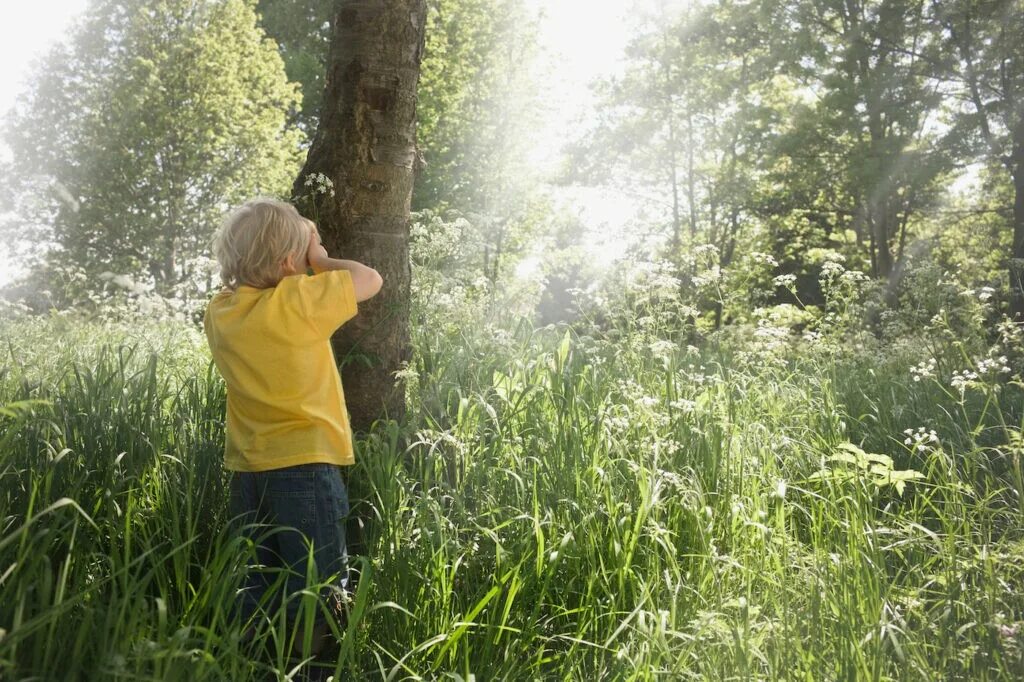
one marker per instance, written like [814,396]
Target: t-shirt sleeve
[328,300]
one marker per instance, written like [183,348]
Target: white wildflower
[780,489]
[812,336]
[785,281]
[924,370]
[920,438]
[830,270]
[683,405]
[963,380]
[993,366]
[709,276]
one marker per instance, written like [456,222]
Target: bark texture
[1016,267]
[366,144]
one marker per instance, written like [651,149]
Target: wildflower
[324,184]
[961,381]
[784,281]
[830,270]
[920,438]
[662,348]
[780,489]
[924,370]
[853,277]
[1009,631]
[812,336]
[406,372]
[1011,334]
[993,366]
[711,275]
[985,293]
[683,405]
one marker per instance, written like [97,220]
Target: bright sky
[27,30]
[586,38]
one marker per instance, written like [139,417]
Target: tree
[871,62]
[649,120]
[302,30]
[476,102]
[366,144]
[156,118]
[687,124]
[986,58]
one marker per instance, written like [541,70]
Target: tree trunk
[691,190]
[366,143]
[1017,254]
[674,179]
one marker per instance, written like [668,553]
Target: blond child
[287,429]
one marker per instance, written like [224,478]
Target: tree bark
[366,144]
[1016,267]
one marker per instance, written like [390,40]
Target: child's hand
[316,253]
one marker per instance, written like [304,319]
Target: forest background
[766,423]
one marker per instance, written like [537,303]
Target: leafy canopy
[137,135]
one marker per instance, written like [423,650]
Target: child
[287,430]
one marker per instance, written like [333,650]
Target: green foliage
[784,127]
[302,31]
[853,464]
[139,133]
[598,503]
[745,459]
[475,102]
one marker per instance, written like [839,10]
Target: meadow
[623,498]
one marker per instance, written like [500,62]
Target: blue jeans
[282,511]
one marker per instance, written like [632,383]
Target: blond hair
[254,240]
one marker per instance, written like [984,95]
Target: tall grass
[557,507]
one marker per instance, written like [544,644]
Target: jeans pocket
[340,494]
[291,501]
[242,503]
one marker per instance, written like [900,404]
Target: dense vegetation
[780,438]
[608,500]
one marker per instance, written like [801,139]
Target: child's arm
[365,280]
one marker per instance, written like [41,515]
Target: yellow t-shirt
[273,348]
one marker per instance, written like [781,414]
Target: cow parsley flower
[324,185]
[963,380]
[766,258]
[924,370]
[830,270]
[920,438]
[993,366]
[784,281]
